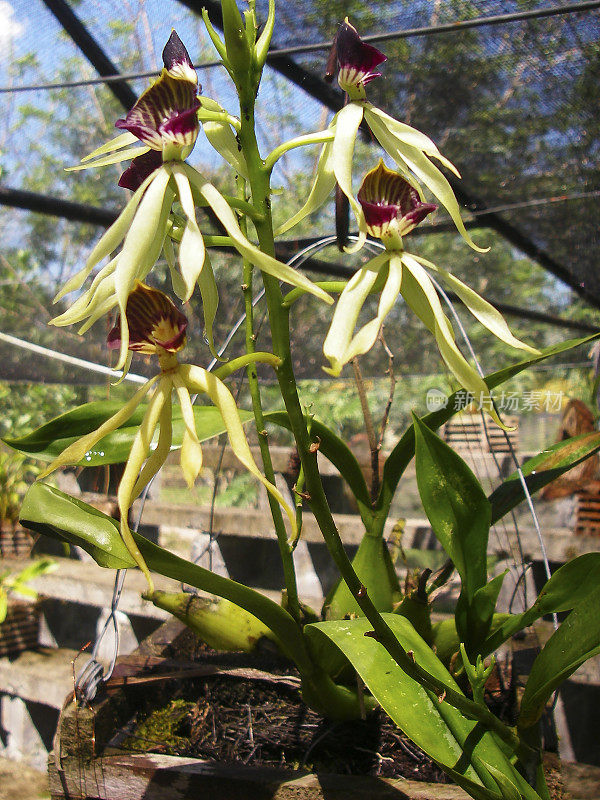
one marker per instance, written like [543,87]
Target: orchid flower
[409,148]
[156,326]
[165,121]
[392,208]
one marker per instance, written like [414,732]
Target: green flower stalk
[165,120]
[409,148]
[392,208]
[156,326]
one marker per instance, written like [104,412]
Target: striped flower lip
[166,114]
[391,206]
[357,60]
[154,322]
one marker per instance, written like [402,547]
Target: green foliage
[18,582]
[16,474]
[48,441]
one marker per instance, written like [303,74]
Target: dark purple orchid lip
[150,315]
[377,214]
[139,169]
[356,58]
[386,196]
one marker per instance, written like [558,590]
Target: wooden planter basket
[20,629]
[85,764]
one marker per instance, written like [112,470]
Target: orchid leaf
[568,586]
[49,511]
[460,514]
[339,454]
[51,439]
[457,744]
[371,566]
[402,454]
[541,470]
[82,446]
[576,641]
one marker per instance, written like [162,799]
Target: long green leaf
[402,454]
[577,640]
[460,515]
[339,454]
[457,744]
[51,439]
[542,470]
[49,511]
[567,587]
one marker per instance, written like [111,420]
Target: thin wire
[297,259]
[90,366]
[487,436]
[450,27]
[519,471]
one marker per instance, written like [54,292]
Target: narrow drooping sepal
[177,60]
[154,322]
[392,207]
[357,60]
[140,168]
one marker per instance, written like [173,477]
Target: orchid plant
[428,677]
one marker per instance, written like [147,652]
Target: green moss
[163,729]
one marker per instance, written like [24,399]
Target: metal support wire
[378,246]
[513,455]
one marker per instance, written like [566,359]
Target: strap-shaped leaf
[403,452]
[542,470]
[51,439]
[49,511]
[437,728]
[337,451]
[576,641]
[568,586]
[460,514]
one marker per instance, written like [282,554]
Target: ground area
[19,782]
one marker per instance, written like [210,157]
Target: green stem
[301,141]
[279,318]
[245,361]
[334,287]
[285,551]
